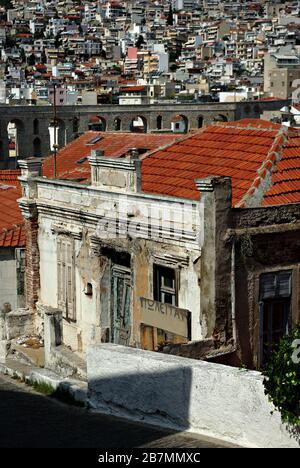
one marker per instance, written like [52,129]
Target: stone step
[36,357]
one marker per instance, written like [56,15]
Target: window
[65,277]
[275,295]
[165,289]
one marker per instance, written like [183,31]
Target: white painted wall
[178,127]
[48,263]
[211,399]
[58,205]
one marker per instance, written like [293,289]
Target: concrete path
[29,419]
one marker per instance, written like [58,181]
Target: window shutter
[284,284]
[268,286]
[60,282]
[70,290]
[65,278]
[275,285]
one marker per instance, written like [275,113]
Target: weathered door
[120,303]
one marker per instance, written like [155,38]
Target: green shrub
[282,379]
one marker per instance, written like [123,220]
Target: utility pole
[55,126]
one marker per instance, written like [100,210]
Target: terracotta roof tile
[245,150]
[114,144]
[12,232]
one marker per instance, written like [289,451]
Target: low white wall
[211,399]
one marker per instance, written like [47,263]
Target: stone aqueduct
[31,122]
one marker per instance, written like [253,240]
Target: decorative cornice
[172,259]
[30,167]
[121,228]
[28,208]
[114,163]
[63,230]
[208,184]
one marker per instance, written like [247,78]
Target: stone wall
[184,394]
[266,240]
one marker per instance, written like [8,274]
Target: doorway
[120,304]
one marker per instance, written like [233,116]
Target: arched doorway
[138,124]
[37,148]
[180,124]
[200,121]
[97,124]
[159,122]
[117,124]
[220,118]
[14,132]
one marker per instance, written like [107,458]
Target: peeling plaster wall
[48,268]
[267,240]
[67,209]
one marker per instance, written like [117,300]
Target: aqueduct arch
[32,122]
[139,124]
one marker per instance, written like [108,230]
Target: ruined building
[192,248]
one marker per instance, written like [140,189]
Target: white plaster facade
[151,229]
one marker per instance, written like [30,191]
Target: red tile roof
[286,175]
[12,232]
[251,152]
[114,144]
[132,89]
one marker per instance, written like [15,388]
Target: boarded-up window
[65,277]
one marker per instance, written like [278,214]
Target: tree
[31,60]
[43,57]
[57,42]
[170,16]
[282,378]
[6,3]
[22,56]
[139,41]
